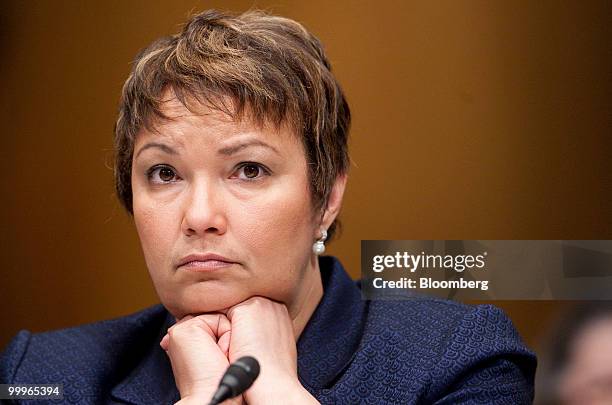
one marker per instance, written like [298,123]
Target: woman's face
[205,185]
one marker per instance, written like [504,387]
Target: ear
[334,202]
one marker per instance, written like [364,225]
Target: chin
[198,300]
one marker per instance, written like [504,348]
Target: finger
[224,325]
[224,342]
[231,312]
[181,321]
[217,322]
[255,303]
[223,311]
[191,328]
[184,319]
[164,342]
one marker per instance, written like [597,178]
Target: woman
[577,367]
[232,157]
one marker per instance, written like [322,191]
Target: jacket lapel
[152,381]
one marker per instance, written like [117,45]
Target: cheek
[155,226]
[278,225]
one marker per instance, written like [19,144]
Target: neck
[307,298]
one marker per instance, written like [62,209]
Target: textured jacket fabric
[352,351]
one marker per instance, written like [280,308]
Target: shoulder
[443,346]
[433,318]
[440,326]
[90,353]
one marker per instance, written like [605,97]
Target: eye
[250,171]
[161,174]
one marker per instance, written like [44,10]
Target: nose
[204,211]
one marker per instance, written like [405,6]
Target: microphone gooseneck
[239,376]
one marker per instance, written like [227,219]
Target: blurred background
[472,120]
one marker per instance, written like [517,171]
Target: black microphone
[239,376]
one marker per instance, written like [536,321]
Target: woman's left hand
[262,328]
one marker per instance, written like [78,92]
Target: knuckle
[185,329]
[258,302]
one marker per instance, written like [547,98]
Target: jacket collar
[334,331]
[325,347]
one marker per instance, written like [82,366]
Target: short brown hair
[267,65]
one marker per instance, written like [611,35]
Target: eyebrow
[227,151]
[230,150]
[161,146]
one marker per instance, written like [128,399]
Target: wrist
[205,400]
[301,396]
[193,400]
[192,394]
[280,392]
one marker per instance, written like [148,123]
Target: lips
[204,262]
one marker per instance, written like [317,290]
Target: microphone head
[240,375]
[250,366]
[238,378]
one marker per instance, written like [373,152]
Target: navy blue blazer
[415,351]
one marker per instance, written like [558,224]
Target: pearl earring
[319,246]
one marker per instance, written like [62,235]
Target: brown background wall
[472,120]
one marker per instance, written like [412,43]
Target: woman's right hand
[197,348]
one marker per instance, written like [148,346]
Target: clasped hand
[201,348]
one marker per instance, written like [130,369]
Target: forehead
[196,118]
